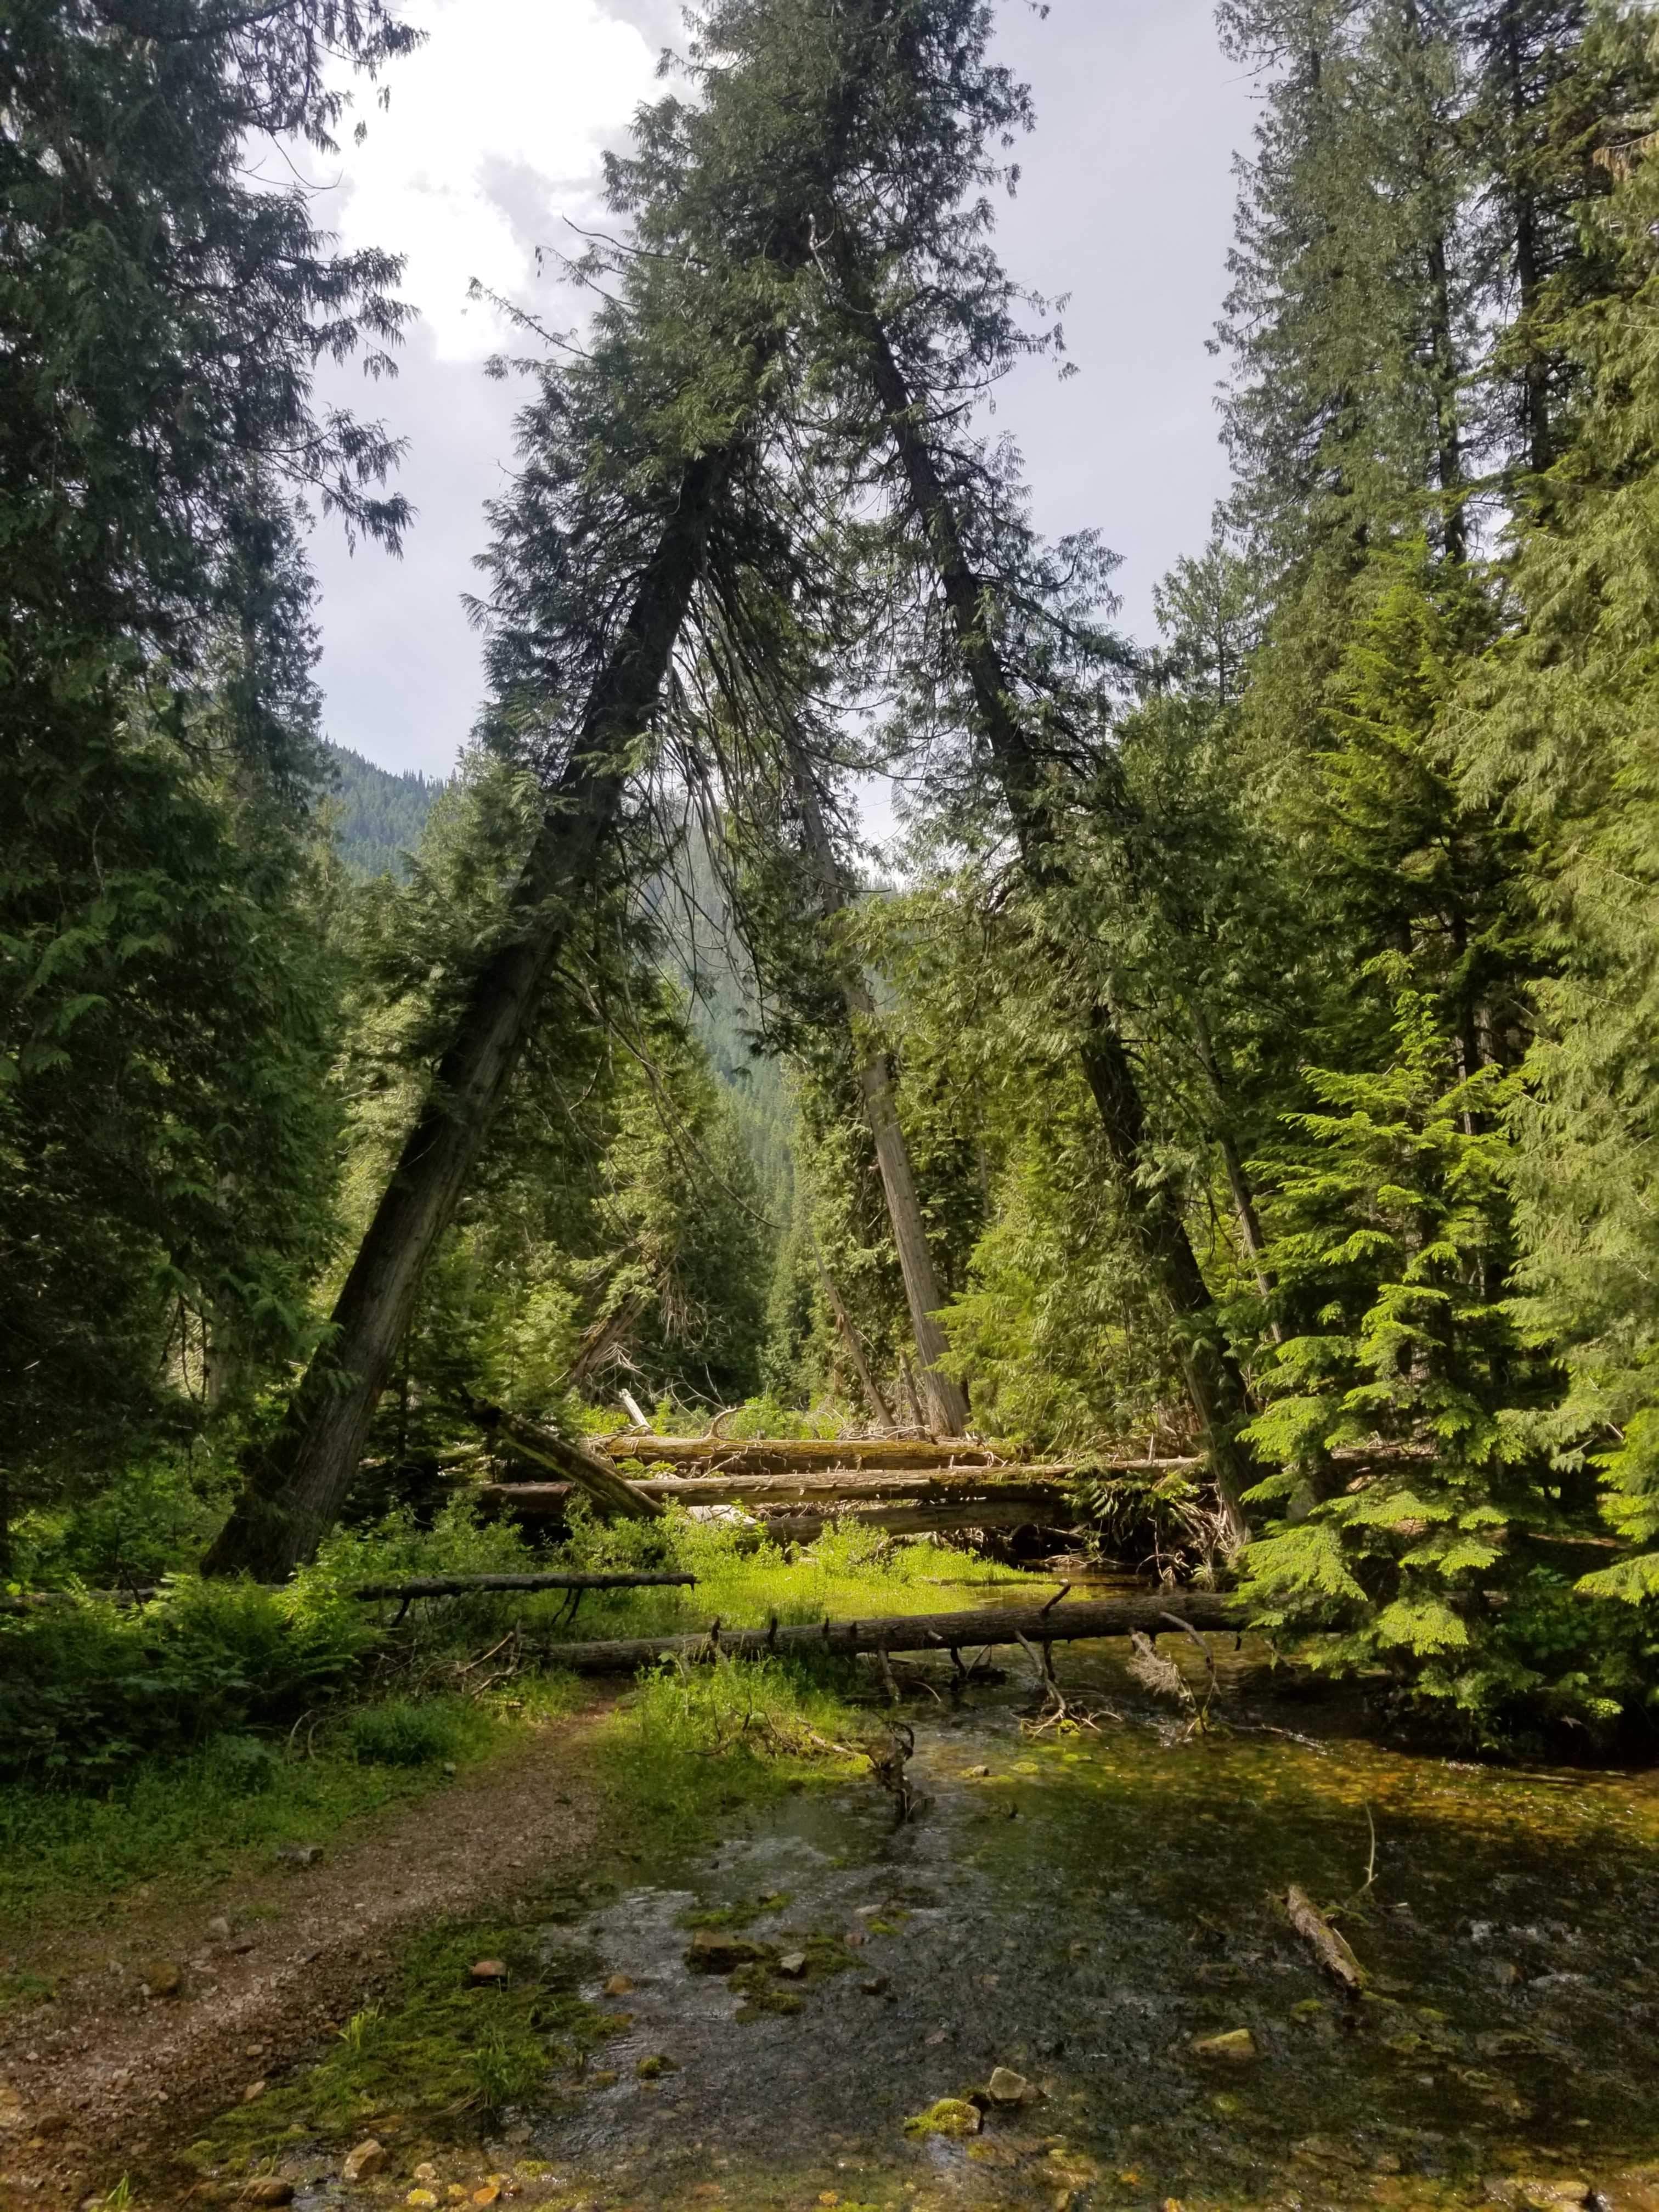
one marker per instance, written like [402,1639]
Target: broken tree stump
[609,1492]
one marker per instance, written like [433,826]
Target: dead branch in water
[1327,1943]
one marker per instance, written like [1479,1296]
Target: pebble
[618,1986]
[792,1964]
[254,2090]
[873,1985]
[488,1970]
[976,1773]
[366,2159]
[266,2189]
[162,1978]
[1007,2087]
[218,1929]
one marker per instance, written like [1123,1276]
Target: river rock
[1007,2087]
[367,2159]
[1539,2192]
[793,1964]
[1237,2045]
[716,1951]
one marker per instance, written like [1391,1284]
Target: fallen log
[591,1472]
[980,1626]
[784,1455]
[805,1526]
[464,1585]
[1327,1943]
[760,1492]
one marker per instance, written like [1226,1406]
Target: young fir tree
[1404,1384]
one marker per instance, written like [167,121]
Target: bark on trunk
[294,1495]
[979,1629]
[1212,1380]
[947,1401]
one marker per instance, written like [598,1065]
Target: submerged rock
[1237,2045]
[951,2116]
[714,1951]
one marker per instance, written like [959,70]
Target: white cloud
[491,137]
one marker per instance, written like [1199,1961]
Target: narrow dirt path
[102,2071]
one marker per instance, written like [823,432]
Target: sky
[488,147]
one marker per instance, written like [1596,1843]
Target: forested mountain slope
[377,814]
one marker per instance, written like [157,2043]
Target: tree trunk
[947,1401]
[1213,1382]
[854,1349]
[295,1493]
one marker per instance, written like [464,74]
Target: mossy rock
[951,2116]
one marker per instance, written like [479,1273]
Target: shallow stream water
[1083,1908]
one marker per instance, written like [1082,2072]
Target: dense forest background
[1263,1014]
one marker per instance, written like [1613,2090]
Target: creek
[1083,1908]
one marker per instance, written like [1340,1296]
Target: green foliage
[1394,1236]
[402,1732]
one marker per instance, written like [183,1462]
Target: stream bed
[1085,1908]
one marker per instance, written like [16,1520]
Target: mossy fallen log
[974,1629]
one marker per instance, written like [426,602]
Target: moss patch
[441,2057]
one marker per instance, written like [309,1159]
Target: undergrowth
[694,1745]
[170,1738]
